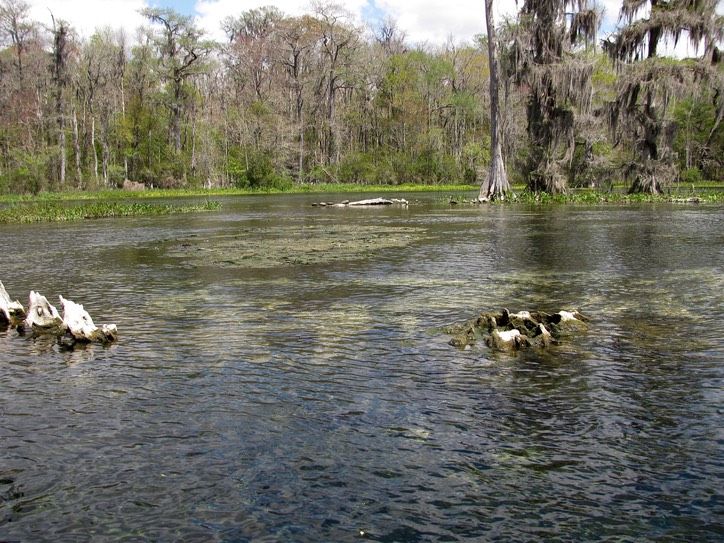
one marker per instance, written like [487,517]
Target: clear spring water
[322,402]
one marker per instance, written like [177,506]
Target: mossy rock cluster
[506,331]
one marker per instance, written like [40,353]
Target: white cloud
[435,21]
[85,16]
[210,13]
[423,21]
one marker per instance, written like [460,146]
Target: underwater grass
[51,211]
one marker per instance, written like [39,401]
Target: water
[322,402]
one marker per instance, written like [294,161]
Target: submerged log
[507,331]
[80,326]
[12,313]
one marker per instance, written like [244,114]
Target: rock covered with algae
[506,331]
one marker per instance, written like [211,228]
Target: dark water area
[322,402]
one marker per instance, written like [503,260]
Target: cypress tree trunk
[496,181]
[60,54]
[76,149]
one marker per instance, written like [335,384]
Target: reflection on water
[321,402]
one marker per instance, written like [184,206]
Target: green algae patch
[275,247]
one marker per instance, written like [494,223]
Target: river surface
[321,402]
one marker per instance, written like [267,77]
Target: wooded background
[319,98]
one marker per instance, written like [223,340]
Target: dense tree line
[318,98]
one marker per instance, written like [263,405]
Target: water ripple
[324,403]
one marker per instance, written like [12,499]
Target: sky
[431,22]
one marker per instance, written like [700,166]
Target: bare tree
[100,86]
[250,47]
[182,51]
[338,40]
[296,42]
[61,80]
[15,24]
[389,35]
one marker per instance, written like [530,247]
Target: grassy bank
[595,197]
[47,211]
[306,188]
[707,192]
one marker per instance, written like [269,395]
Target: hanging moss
[649,84]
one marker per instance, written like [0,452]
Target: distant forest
[317,98]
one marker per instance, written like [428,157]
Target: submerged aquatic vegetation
[275,247]
[49,211]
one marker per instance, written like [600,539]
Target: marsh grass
[706,192]
[50,211]
[596,197]
[305,188]
[704,195]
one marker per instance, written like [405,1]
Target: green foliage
[26,173]
[251,168]
[116,175]
[690,176]
[695,119]
[476,157]
[357,168]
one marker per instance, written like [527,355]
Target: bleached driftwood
[80,326]
[370,202]
[42,316]
[12,313]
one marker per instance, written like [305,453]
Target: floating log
[370,202]
[507,331]
[12,313]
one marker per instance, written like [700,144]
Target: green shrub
[116,175]
[251,168]
[691,175]
[356,168]
[28,172]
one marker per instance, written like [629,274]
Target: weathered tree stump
[42,316]
[79,324]
[505,331]
[76,325]
[12,313]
